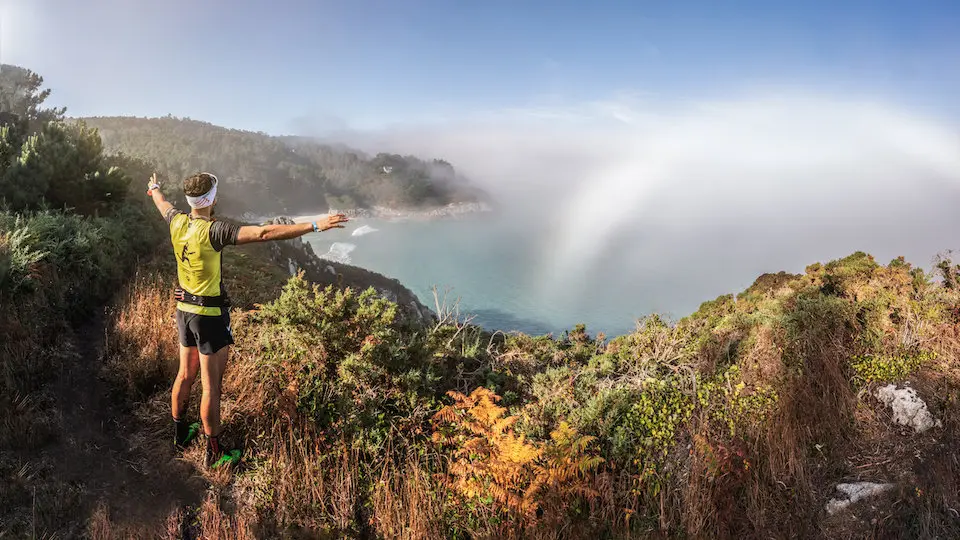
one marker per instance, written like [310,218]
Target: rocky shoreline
[450,210]
[453,210]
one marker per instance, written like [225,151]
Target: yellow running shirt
[197,243]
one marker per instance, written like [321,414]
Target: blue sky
[283,66]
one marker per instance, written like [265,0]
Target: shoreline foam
[440,212]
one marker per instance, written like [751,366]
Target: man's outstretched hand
[152,184]
[153,191]
[268,233]
[333,221]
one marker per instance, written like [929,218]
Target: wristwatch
[315,228]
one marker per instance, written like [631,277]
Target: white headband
[207,198]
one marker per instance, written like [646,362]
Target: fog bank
[696,200]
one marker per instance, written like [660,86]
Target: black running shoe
[184,434]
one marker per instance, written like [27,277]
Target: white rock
[331,270]
[855,492]
[908,408]
[292,265]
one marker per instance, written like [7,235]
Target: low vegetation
[735,421]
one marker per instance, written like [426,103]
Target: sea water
[500,271]
[511,270]
[480,265]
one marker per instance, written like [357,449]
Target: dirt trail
[103,451]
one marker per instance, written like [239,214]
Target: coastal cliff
[297,255]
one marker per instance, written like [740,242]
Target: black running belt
[198,300]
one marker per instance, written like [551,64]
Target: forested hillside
[284,174]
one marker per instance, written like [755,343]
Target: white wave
[363,229]
[339,252]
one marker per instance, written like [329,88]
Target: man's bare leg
[180,396]
[212,368]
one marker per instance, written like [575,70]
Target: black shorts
[208,333]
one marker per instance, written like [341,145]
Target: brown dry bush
[102,526]
[408,502]
[141,351]
[218,523]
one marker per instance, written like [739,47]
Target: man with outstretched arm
[203,308]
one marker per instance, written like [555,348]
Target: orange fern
[492,462]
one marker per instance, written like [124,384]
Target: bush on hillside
[62,166]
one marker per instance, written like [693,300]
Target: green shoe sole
[192,432]
[228,458]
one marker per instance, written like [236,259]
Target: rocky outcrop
[450,210]
[908,408]
[855,492]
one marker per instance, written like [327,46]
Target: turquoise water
[498,268]
[507,270]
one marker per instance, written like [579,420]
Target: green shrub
[355,366]
[838,275]
[18,255]
[658,411]
[86,258]
[61,166]
[731,403]
[871,368]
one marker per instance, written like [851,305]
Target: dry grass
[211,522]
[407,502]
[141,351]
[305,485]
[763,362]
[101,526]
[618,508]
[217,522]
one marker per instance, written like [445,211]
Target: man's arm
[153,189]
[266,233]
